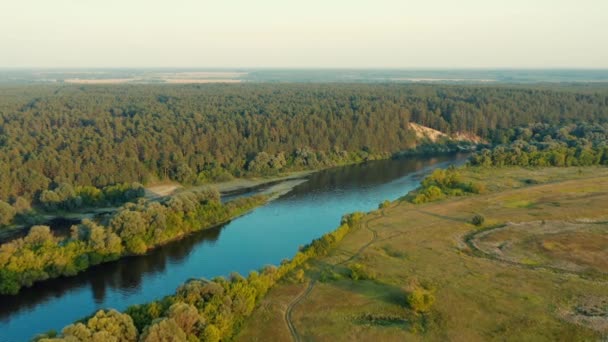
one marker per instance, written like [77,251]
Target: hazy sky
[304,33]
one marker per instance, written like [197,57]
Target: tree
[420,300]
[115,324]
[163,330]
[131,227]
[7,213]
[185,316]
[211,334]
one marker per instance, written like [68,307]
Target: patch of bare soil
[423,132]
[161,190]
[591,313]
[570,246]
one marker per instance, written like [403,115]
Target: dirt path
[298,299]
[292,329]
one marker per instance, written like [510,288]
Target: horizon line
[298,68]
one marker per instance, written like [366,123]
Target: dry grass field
[534,271]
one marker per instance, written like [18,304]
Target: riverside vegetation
[206,310]
[132,230]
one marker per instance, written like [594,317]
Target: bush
[478,220]
[7,213]
[477,188]
[360,272]
[299,276]
[329,275]
[384,204]
[420,299]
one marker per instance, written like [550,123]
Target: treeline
[134,229]
[66,197]
[200,310]
[580,144]
[105,135]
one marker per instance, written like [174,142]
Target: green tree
[163,330]
[7,213]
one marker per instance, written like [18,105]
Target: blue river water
[265,236]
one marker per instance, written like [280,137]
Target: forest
[57,139]
[542,144]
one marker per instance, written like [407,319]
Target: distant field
[189,77]
[536,270]
[445,76]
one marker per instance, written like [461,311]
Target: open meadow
[533,269]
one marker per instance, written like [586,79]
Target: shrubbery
[360,272]
[420,299]
[384,204]
[443,183]
[478,220]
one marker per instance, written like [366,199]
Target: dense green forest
[133,229]
[534,145]
[200,310]
[579,144]
[98,136]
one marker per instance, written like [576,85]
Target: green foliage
[353,219]
[360,272]
[165,329]
[420,299]
[384,204]
[108,325]
[328,275]
[211,333]
[7,213]
[65,197]
[106,135]
[443,183]
[539,145]
[134,229]
[478,220]
[299,276]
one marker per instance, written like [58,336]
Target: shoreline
[230,188]
[233,187]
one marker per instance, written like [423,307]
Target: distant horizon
[22,68]
[183,75]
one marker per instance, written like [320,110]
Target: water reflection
[124,274]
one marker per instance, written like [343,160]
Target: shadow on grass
[339,277]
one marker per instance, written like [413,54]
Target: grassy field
[535,270]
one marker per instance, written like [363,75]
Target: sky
[304,33]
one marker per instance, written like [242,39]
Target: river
[265,236]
